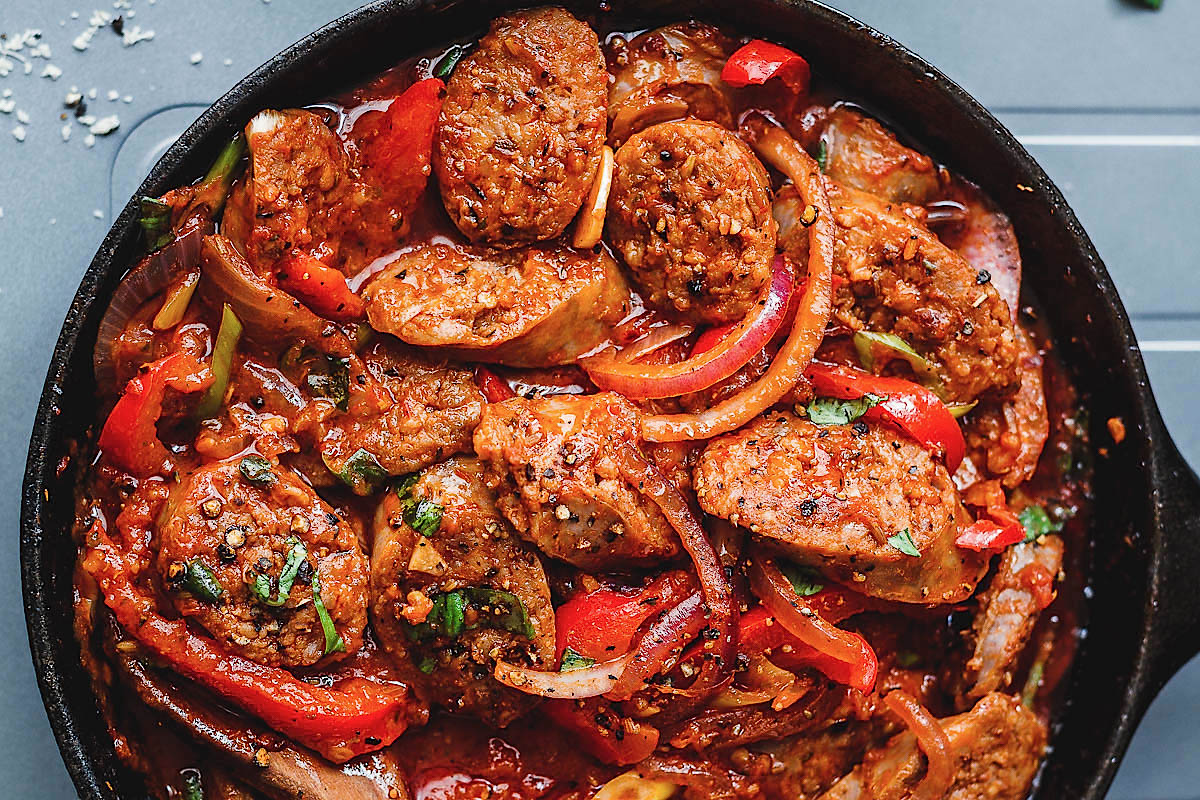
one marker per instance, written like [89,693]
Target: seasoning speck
[22,117]
[52,72]
[197,57]
[19,133]
[105,125]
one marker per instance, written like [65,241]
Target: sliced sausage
[861,153]
[997,747]
[521,128]
[233,526]
[831,496]
[292,192]
[901,279]
[471,547]
[430,412]
[690,212]
[537,306]
[551,461]
[666,74]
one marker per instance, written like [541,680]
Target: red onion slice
[702,370]
[574,685]
[660,646]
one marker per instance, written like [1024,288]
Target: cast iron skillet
[1144,611]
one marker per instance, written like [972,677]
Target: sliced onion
[812,313]
[660,646]
[576,684]
[265,311]
[659,336]
[591,219]
[152,274]
[712,366]
[941,212]
[634,786]
[790,611]
[939,774]
[715,589]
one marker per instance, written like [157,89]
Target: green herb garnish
[423,516]
[257,471]
[333,639]
[333,383]
[496,609]
[1037,522]
[865,343]
[222,364]
[831,411]
[427,665]
[805,580]
[287,576]
[214,189]
[822,155]
[202,582]
[193,789]
[449,61]
[903,542]
[155,220]
[573,660]
[362,472]
[907,659]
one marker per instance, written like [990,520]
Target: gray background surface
[1105,94]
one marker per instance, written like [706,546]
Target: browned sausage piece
[473,548]
[521,128]
[533,307]
[432,411]
[239,521]
[666,74]
[690,212]
[860,152]
[559,485]
[831,496]
[901,279]
[293,191]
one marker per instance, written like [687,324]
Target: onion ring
[812,315]
[939,775]
[702,370]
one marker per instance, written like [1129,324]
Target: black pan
[1144,610]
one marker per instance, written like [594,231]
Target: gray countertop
[1105,94]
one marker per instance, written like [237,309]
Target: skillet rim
[202,135]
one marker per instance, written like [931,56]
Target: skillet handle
[1176,585]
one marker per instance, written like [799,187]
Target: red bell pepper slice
[912,408]
[602,624]
[604,734]
[984,534]
[757,61]
[396,144]
[494,388]
[129,437]
[321,288]
[357,716]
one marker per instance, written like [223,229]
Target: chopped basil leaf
[805,580]
[449,61]
[423,516]
[333,639]
[427,665]
[193,788]
[1154,4]
[866,342]
[822,155]
[202,582]
[333,383]
[222,363]
[287,576]
[572,660]
[496,609]
[903,542]
[907,659]
[257,471]
[831,411]
[156,223]
[362,472]
[1037,522]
